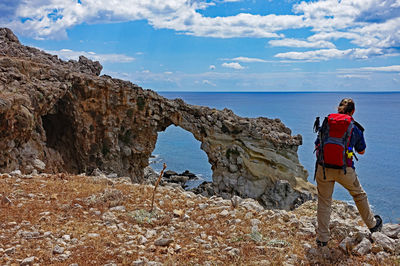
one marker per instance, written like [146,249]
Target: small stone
[66,237]
[384,241]
[224,213]
[142,240]
[177,248]
[28,235]
[248,215]
[163,242]
[306,246]
[234,252]
[178,213]
[27,261]
[93,235]
[9,251]
[203,206]
[112,175]
[97,172]
[138,263]
[364,247]
[347,244]
[16,173]
[38,164]
[154,263]
[150,233]
[58,250]
[109,217]
[391,230]
[255,222]
[118,208]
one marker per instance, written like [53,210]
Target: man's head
[346,106]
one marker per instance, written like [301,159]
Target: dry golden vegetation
[78,220]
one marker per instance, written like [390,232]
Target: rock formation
[58,116]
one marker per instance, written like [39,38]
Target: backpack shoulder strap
[360,127]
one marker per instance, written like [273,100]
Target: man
[347,177]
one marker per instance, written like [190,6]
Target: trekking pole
[316,124]
[156,185]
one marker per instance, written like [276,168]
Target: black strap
[359,126]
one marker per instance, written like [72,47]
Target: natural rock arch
[65,115]
[181,152]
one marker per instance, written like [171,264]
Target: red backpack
[334,139]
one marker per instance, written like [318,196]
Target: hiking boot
[321,243]
[378,226]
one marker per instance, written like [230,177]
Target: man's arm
[359,144]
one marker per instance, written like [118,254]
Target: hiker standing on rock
[339,138]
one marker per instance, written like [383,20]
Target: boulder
[383,241]
[188,174]
[169,173]
[391,230]
[363,248]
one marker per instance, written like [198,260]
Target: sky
[222,45]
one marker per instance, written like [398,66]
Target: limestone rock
[27,261]
[150,176]
[347,245]
[364,247]
[384,241]
[163,242]
[38,164]
[73,120]
[58,250]
[391,230]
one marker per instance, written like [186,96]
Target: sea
[379,113]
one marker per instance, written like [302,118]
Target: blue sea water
[379,113]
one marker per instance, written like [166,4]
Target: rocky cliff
[58,116]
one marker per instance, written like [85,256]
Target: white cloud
[327,54]
[51,18]
[246,59]
[317,55]
[394,68]
[68,54]
[234,65]
[367,24]
[212,67]
[207,82]
[352,76]
[301,43]
[168,72]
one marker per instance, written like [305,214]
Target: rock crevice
[66,116]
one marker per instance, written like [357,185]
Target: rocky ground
[94,220]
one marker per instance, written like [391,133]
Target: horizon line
[395,91]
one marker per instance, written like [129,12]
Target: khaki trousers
[325,190]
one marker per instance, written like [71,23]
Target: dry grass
[44,209]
